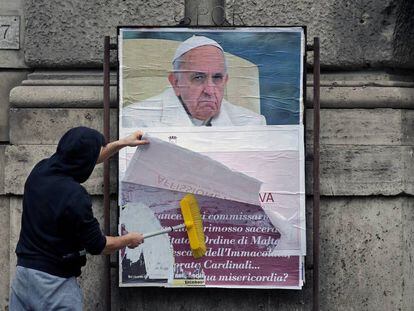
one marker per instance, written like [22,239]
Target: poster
[223,111]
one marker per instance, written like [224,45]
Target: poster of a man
[223,112]
[198,80]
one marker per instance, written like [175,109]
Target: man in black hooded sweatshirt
[58,224]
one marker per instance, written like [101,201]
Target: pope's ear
[174,83]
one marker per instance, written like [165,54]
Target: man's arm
[110,149]
[115,243]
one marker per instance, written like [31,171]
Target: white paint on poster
[157,250]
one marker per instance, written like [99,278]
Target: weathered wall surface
[12,71]
[367,141]
[365,154]
[4,251]
[360,34]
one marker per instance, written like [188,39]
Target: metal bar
[114,46]
[165,230]
[316,161]
[106,97]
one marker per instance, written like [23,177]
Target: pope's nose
[209,87]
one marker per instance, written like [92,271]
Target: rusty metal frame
[316,171]
[316,161]
[106,182]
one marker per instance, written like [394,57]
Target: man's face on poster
[200,81]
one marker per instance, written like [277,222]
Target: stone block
[46,126]
[309,234]
[19,162]
[21,159]
[359,127]
[8,80]
[4,252]
[363,97]
[69,77]
[69,96]
[15,225]
[92,282]
[408,254]
[361,170]
[360,35]
[363,248]
[378,78]
[365,144]
[407,127]
[408,176]
[2,168]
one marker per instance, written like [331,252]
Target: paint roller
[193,224]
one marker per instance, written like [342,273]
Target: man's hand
[115,243]
[135,239]
[110,149]
[134,139]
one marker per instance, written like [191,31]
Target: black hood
[77,153]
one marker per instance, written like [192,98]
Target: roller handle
[165,230]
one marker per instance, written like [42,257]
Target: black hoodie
[57,220]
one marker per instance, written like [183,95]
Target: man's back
[58,225]
[57,220]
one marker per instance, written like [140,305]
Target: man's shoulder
[153,111]
[151,102]
[243,116]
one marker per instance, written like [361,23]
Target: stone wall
[367,141]
[361,34]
